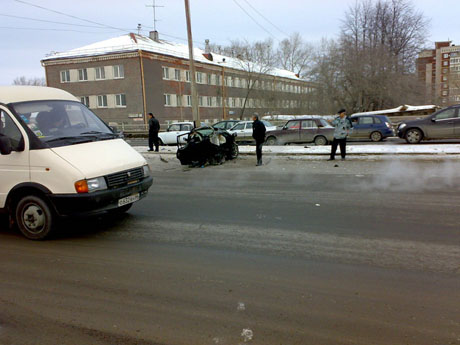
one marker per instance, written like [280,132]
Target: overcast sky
[25,42]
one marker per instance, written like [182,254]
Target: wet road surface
[295,252]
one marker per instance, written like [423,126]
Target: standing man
[154,128]
[342,127]
[258,133]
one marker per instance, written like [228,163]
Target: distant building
[439,70]
[124,78]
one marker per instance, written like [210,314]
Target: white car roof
[15,94]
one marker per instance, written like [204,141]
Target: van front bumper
[89,203]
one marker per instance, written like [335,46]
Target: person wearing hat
[154,128]
[342,126]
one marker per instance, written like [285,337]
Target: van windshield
[61,123]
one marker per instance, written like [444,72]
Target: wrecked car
[206,145]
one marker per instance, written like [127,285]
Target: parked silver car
[444,124]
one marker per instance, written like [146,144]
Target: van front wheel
[34,217]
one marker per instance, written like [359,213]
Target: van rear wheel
[34,217]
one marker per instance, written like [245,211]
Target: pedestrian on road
[342,126]
[154,128]
[258,133]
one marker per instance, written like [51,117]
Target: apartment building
[439,70]
[124,78]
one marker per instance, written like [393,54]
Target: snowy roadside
[421,151]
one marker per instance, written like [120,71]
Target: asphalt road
[294,252]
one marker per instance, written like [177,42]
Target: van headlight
[96,184]
[91,185]
[146,170]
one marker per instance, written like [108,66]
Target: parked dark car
[373,127]
[206,145]
[303,130]
[444,124]
[226,124]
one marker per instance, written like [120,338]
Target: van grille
[123,178]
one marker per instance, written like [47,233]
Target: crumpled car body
[206,145]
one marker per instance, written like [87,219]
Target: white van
[59,159]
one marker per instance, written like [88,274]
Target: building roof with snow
[133,43]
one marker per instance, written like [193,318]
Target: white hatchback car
[174,130]
[243,130]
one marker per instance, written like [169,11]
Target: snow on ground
[423,149]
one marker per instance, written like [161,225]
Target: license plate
[128,200]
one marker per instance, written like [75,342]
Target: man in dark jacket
[258,133]
[154,128]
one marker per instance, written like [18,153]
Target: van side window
[9,129]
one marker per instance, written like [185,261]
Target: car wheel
[376,136]
[34,217]
[271,141]
[320,141]
[413,136]
[235,151]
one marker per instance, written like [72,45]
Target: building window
[446,56]
[102,101]
[218,79]
[165,73]
[100,73]
[178,100]
[167,100]
[188,99]
[85,100]
[209,76]
[200,101]
[118,72]
[445,63]
[209,101]
[65,76]
[199,77]
[219,101]
[187,75]
[120,100]
[177,74]
[83,74]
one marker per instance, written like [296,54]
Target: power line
[68,15]
[50,21]
[253,19]
[46,29]
[260,14]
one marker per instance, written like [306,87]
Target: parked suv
[303,130]
[444,124]
[374,127]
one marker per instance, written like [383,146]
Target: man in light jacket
[342,126]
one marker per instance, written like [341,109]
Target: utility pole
[195,108]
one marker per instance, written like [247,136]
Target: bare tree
[379,43]
[29,81]
[295,55]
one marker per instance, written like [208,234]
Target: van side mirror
[5,145]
